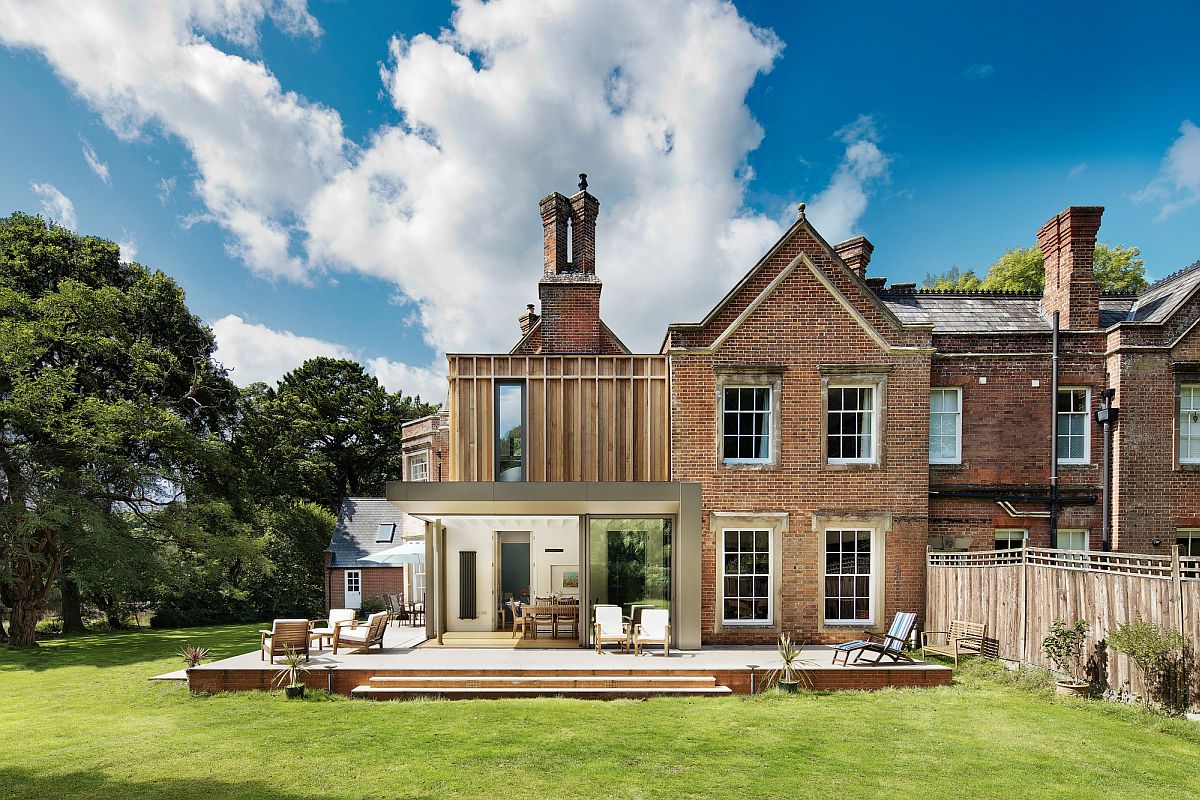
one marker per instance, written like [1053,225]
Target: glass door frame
[585,570]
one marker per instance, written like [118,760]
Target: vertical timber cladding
[588,417]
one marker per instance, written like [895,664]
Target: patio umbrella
[407,553]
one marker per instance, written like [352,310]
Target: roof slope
[1158,301]
[354,534]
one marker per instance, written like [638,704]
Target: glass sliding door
[629,564]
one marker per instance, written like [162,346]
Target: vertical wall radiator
[466,585]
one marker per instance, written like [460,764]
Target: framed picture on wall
[564,578]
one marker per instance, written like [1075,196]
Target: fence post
[1176,591]
[1024,602]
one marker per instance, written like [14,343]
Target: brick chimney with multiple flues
[856,253]
[569,289]
[1068,245]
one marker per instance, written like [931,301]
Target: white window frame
[1194,390]
[768,413]
[1193,536]
[875,404]
[418,582]
[1087,424]
[1073,532]
[770,595]
[357,577]
[419,460]
[1011,535]
[873,578]
[958,423]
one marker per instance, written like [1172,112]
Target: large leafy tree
[952,280]
[1118,269]
[111,410]
[327,430]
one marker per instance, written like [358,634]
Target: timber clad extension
[835,427]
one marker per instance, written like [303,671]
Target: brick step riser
[543,683]
[469,694]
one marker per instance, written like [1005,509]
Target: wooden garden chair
[610,627]
[518,619]
[361,635]
[655,628]
[963,639]
[890,644]
[325,632]
[285,634]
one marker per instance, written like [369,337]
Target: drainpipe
[1107,415]
[1054,434]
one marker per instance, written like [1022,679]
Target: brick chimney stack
[528,319]
[1068,244]
[569,289]
[856,253]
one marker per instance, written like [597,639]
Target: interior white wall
[480,535]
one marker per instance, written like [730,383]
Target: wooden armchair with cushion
[890,644]
[336,615]
[285,634]
[610,627]
[361,635]
[655,628]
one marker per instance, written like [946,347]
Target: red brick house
[782,464]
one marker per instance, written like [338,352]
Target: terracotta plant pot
[790,687]
[1071,688]
[294,692]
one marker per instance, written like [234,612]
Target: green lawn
[79,719]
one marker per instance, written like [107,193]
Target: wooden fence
[1018,594]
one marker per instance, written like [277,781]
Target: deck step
[546,681]
[606,687]
[495,692]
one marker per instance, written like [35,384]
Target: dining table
[555,611]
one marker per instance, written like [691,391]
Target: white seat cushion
[654,624]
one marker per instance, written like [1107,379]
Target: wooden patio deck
[425,669]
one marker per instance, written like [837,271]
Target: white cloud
[129,246]
[977,72]
[507,103]
[1178,183]
[93,161]
[1077,170]
[255,352]
[837,209]
[56,205]
[165,187]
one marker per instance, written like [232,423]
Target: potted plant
[1064,648]
[292,668]
[788,675]
[192,655]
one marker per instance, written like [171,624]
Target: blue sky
[331,180]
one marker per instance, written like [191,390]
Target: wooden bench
[963,639]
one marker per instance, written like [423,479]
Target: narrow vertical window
[510,431]
[849,582]
[945,426]
[746,577]
[851,424]
[1189,423]
[746,425]
[1074,430]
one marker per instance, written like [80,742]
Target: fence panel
[1019,593]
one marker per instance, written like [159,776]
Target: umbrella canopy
[407,553]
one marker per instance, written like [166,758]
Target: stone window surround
[1185,373]
[777,523]
[860,375]
[769,376]
[880,523]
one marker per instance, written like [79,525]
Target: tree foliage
[952,280]
[1119,269]
[111,407]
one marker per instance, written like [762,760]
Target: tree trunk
[72,604]
[22,624]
